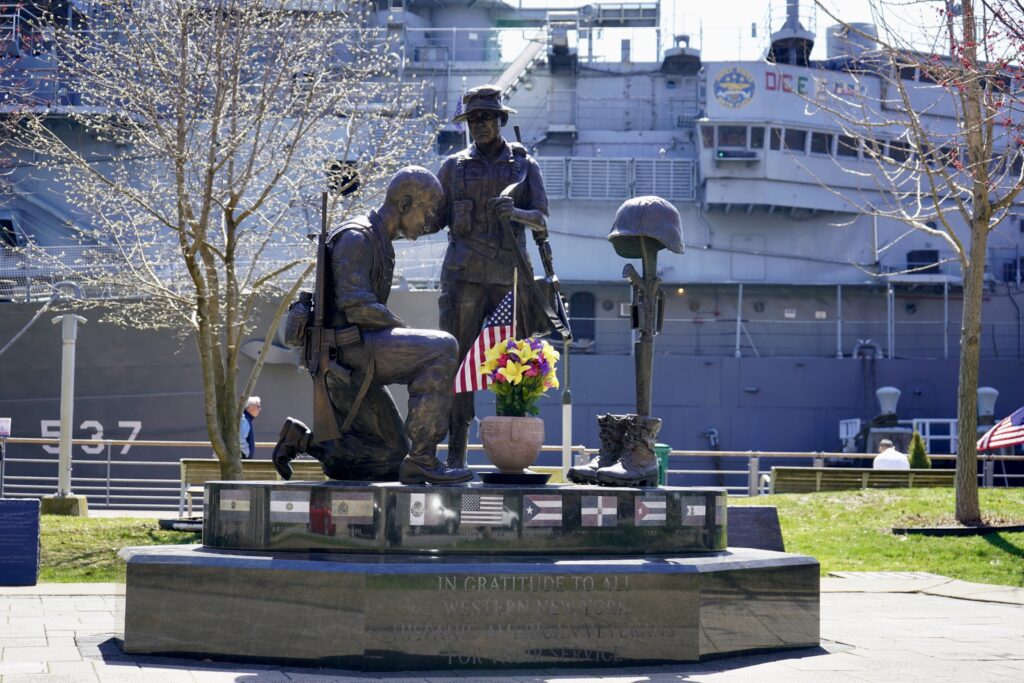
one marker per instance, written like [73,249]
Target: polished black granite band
[475,519]
[403,612]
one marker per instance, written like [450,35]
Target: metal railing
[741,473]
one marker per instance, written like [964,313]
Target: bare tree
[935,111]
[204,134]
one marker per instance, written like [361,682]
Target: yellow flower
[495,352]
[525,352]
[550,353]
[488,367]
[512,372]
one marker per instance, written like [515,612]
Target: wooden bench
[197,471]
[812,479]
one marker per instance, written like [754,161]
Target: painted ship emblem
[734,88]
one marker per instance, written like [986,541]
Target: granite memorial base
[392,577]
[755,526]
[19,542]
[410,612]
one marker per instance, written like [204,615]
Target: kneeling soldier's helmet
[650,218]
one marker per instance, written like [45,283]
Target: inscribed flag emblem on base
[694,511]
[542,510]
[352,508]
[600,511]
[497,328]
[289,506]
[483,509]
[425,509]
[649,510]
[234,502]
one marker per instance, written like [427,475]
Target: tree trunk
[968,510]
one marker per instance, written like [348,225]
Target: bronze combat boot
[423,467]
[291,441]
[639,464]
[612,431]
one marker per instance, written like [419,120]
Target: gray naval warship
[787,311]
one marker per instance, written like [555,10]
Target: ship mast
[792,43]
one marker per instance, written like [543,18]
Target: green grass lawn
[77,549]
[849,530]
[852,531]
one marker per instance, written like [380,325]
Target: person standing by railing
[247,435]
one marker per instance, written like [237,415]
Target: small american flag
[1008,432]
[483,509]
[497,328]
[458,110]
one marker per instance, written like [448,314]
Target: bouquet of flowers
[521,371]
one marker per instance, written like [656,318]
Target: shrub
[919,459]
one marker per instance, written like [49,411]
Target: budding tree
[940,128]
[204,134]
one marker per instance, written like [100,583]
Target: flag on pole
[1007,432]
[497,328]
[458,111]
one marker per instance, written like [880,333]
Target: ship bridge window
[795,140]
[776,139]
[874,149]
[732,136]
[847,146]
[582,307]
[899,151]
[707,134]
[8,237]
[757,137]
[821,143]
[948,155]
[342,177]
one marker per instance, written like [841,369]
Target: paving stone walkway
[881,627]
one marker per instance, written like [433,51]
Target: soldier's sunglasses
[481,116]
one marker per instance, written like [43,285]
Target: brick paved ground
[878,628]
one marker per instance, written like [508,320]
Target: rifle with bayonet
[320,340]
[545,292]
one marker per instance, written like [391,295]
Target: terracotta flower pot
[512,443]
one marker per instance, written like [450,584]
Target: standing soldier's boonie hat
[482,98]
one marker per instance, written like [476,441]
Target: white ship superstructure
[790,305]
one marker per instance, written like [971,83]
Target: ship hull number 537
[50,429]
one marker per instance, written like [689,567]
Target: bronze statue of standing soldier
[478,266]
[357,346]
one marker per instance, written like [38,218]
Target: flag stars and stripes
[1007,432]
[483,509]
[497,328]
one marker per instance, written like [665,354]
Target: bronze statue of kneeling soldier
[355,346]
[642,227]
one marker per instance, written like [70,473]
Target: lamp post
[64,502]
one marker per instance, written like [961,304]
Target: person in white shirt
[889,458]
